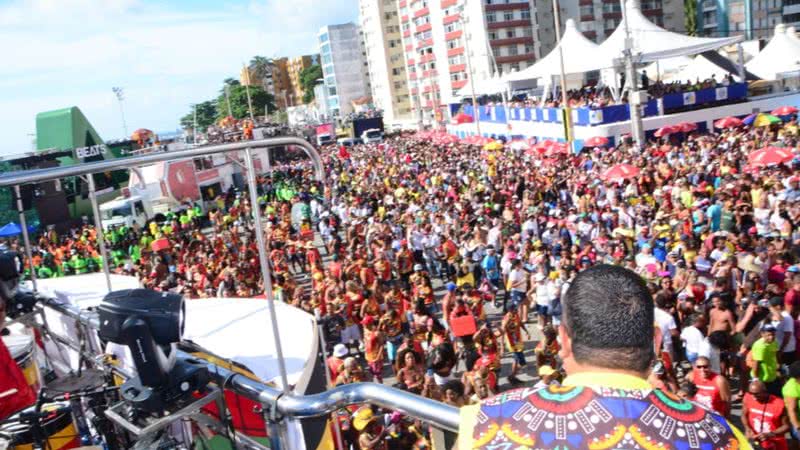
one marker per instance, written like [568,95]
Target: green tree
[238,98]
[260,69]
[690,16]
[308,79]
[206,114]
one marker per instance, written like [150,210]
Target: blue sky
[165,54]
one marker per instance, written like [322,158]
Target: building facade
[383,45]
[597,19]
[446,40]
[295,67]
[344,67]
[752,18]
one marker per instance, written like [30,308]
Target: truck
[358,127]
[172,185]
[325,134]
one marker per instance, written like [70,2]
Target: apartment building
[597,19]
[344,67]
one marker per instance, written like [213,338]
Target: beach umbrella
[768,156]
[558,148]
[784,111]
[686,127]
[749,119]
[596,141]
[543,146]
[728,122]
[765,120]
[621,172]
[664,131]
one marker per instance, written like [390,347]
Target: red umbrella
[621,172]
[784,111]
[768,156]
[543,147]
[686,127]
[463,118]
[596,141]
[664,131]
[558,148]
[728,122]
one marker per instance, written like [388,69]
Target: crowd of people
[437,267]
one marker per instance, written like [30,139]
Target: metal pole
[566,111]
[194,127]
[98,227]
[228,99]
[475,113]
[262,257]
[637,131]
[247,91]
[336,431]
[25,238]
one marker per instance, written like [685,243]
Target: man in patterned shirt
[605,402]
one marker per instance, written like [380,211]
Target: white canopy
[488,86]
[651,42]
[782,54]
[700,69]
[574,45]
[666,68]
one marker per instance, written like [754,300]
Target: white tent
[651,42]
[701,69]
[488,86]
[666,68]
[574,45]
[781,55]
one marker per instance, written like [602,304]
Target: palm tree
[261,68]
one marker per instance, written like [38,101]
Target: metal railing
[285,403]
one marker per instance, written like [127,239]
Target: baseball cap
[545,371]
[776,301]
[768,328]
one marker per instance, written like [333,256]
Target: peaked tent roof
[651,42]
[782,54]
[487,86]
[574,44]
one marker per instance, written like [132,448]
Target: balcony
[458,68]
[587,17]
[424,43]
[453,35]
[455,51]
[410,61]
[508,24]
[423,28]
[402,4]
[458,84]
[426,58]
[409,47]
[511,41]
[450,19]
[506,6]
[447,3]
[404,19]
[421,12]
[407,34]
[515,58]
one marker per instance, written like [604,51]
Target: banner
[722,93]
[688,98]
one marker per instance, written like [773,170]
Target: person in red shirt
[374,351]
[336,361]
[764,417]
[713,391]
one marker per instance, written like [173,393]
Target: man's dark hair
[608,314]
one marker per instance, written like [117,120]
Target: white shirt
[786,330]
[693,339]
[712,353]
[518,276]
[543,294]
[666,323]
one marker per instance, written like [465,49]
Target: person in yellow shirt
[605,401]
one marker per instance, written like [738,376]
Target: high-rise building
[500,36]
[383,44]
[344,67]
[282,84]
[597,19]
[295,67]
[752,18]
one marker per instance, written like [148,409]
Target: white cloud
[60,53]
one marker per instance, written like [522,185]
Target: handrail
[40,175]
[306,406]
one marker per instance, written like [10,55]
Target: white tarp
[781,55]
[650,41]
[574,45]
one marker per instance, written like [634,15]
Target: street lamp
[120,97]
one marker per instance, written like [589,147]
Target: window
[528,49]
[508,15]
[525,14]
[611,8]
[587,10]
[457,76]
[515,67]
[455,43]
[491,18]
[492,35]
[509,33]
[527,31]
[648,5]
[611,24]
[396,71]
[398,84]
[332,90]
[586,26]
[323,37]
[455,60]
[450,27]
[512,50]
